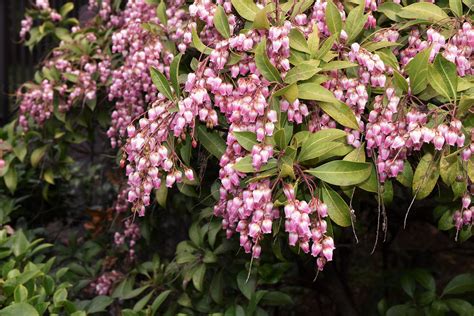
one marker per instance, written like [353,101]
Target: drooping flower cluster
[70,80]
[129,236]
[104,284]
[464,217]
[229,89]
[305,224]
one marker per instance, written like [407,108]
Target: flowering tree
[281,116]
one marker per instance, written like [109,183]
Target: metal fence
[18,63]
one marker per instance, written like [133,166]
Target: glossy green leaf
[213,143]
[221,23]
[316,151]
[333,18]
[460,284]
[406,176]
[313,40]
[355,23]
[266,68]
[18,309]
[303,71]
[11,179]
[37,155]
[198,277]
[456,7]
[340,172]
[424,11]
[174,73]
[161,12]
[246,8]
[448,73]
[159,301]
[198,44]
[290,92]
[261,21]
[245,139]
[298,41]
[161,83]
[425,177]
[337,64]
[391,10]
[338,210]
[417,70]
[341,113]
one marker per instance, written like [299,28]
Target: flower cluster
[304,223]
[464,217]
[130,235]
[104,284]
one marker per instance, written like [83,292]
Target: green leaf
[341,113]
[298,41]
[303,71]
[142,302]
[337,64]
[357,155]
[447,71]
[217,288]
[66,8]
[333,18]
[198,277]
[374,46]
[400,82]
[425,177]
[48,176]
[310,141]
[18,309]
[338,210]
[37,155]
[355,23]
[20,294]
[161,194]
[246,8]
[246,139]
[446,221]
[391,10]
[315,92]
[417,70]
[406,176]
[247,287]
[342,172]
[99,304]
[161,83]
[325,47]
[264,65]
[275,298]
[159,300]
[460,284]
[261,20]
[461,307]
[60,296]
[221,23]
[408,284]
[290,92]
[11,179]
[174,73]
[313,40]
[448,169]
[213,143]
[244,165]
[424,11]
[316,151]
[198,44]
[456,7]
[161,12]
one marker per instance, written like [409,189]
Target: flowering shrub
[279,115]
